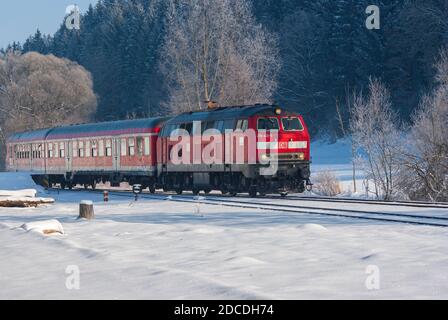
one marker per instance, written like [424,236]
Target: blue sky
[20,18]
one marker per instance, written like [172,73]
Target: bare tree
[215,51]
[38,91]
[376,137]
[327,184]
[425,175]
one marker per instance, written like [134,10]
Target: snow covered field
[160,249]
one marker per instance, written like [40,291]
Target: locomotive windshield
[292,124]
[268,124]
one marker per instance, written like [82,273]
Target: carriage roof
[92,129]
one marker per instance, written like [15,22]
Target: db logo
[283,145]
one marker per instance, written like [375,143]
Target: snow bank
[47,227]
[21,198]
[27,193]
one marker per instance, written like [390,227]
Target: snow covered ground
[161,249]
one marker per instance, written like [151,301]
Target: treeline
[325,54]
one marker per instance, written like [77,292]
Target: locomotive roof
[86,130]
[223,113]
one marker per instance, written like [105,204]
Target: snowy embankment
[161,249]
[20,198]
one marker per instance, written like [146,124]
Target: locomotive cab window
[268,124]
[292,124]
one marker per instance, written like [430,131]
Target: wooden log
[86,210]
[24,203]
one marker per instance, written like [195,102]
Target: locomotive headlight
[278,111]
[301,156]
[264,157]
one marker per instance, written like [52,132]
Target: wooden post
[86,210]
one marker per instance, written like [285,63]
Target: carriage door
[116,154]
[68,156]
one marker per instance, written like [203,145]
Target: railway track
[415,204]
[395,217]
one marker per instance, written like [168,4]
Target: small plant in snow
[326,184]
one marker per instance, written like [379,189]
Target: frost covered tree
[376,138]
[425,174]
[38,91]
[214,50]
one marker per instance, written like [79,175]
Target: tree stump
[86,210]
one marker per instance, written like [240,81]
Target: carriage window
[75,149]
[219,125]
[94,149]
[140,146]
[229,124]
[123,147]
[81,149]
[88,150]
[187,127]
[197,127]
[131,147]
[147,146]
[108,148]
[62,150]
[50,150]
[268,124]
[242,124]
[10,152]
[292,124]
[209,125]
[55,151]
[101,148]
[40,152]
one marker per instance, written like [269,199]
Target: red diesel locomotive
[247,149]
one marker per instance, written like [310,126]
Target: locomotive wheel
[93,185]
[63,185]
[196,191]
[86,186]
[233,193]
[284,194]
[207,191]
[152,189]
[179,191]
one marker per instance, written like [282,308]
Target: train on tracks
[255,149]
